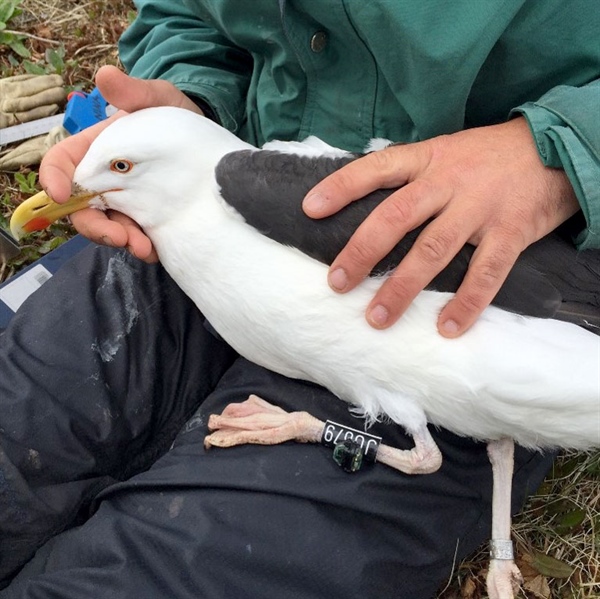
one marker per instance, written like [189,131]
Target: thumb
[130,94]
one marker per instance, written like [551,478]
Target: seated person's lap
[251,521]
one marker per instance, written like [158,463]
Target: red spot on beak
[37,224]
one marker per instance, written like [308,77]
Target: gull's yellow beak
[39,211]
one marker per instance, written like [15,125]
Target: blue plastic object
[84,110]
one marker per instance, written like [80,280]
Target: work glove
[31,151]
[29,97]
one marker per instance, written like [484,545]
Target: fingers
[60,162]
[489,267]
[432,251]
[96,225]
[402,212]
[387,168]
[131,94]
[115,230]
[138,244]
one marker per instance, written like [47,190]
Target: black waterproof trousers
[107,377]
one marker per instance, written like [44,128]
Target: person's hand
[484,186]
[57,168]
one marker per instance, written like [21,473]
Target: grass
[557,534]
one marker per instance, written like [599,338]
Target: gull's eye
[121,165]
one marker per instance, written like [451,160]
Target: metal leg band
[501,549]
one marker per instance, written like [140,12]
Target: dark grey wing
[575,274]
[267,189]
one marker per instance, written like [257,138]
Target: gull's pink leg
[504,577]
[258,422]
[424,458]
[252,405]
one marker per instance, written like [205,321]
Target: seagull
[227,223]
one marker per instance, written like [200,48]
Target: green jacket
[406,70]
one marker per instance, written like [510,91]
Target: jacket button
[318,41]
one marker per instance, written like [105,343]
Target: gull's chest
[272,304]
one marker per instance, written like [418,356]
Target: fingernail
[338,279]
[314,202]
[106,240]
[48,192]
[450,326]
[378,316]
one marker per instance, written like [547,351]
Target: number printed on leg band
[335,434]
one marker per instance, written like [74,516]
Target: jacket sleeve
[566,126]
[169,41]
